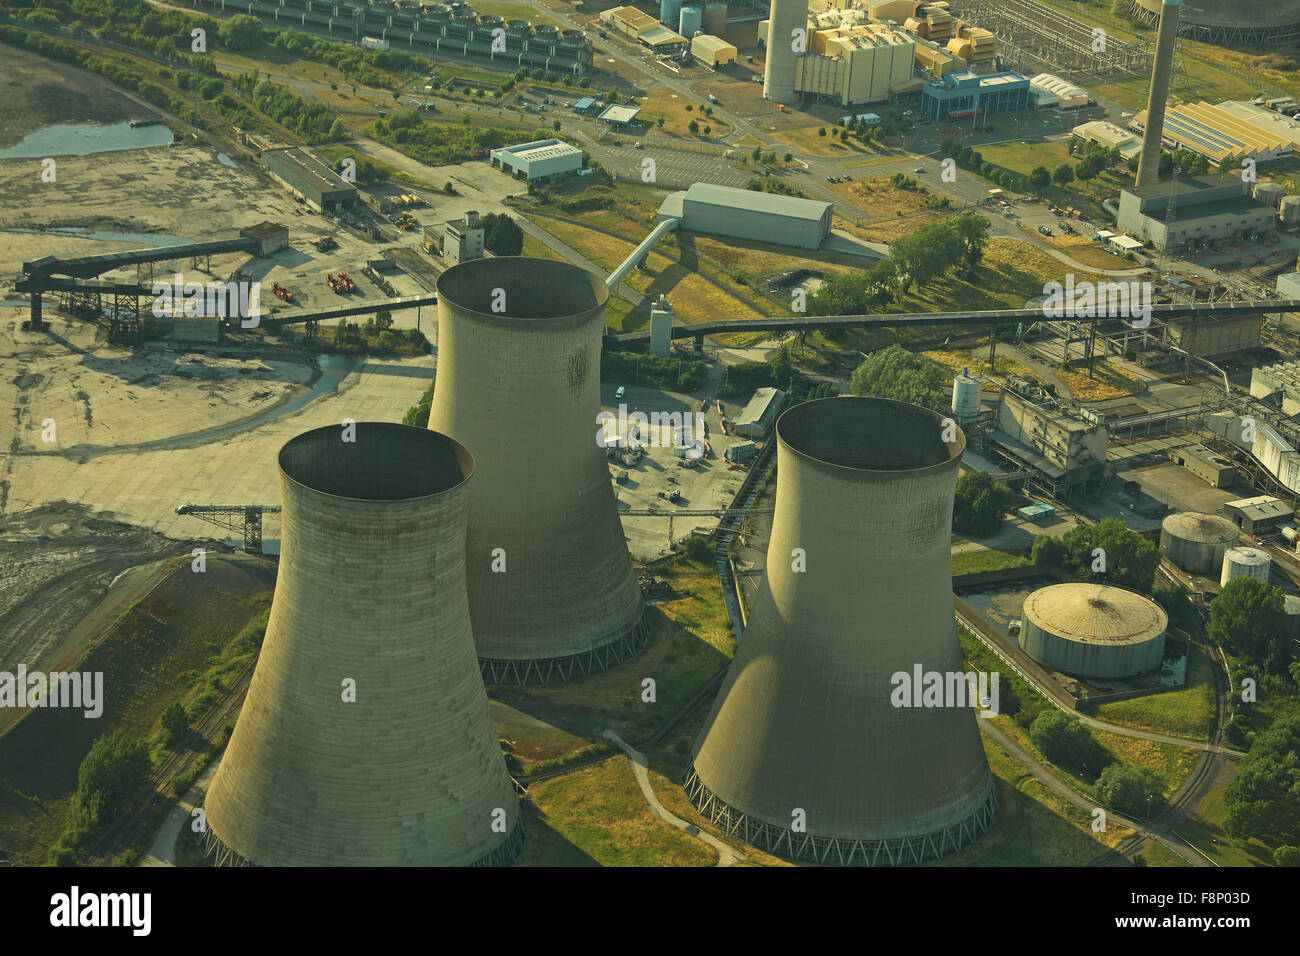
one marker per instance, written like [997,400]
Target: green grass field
[1183,713]
[1204,830]
[971,562]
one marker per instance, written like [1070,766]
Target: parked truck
[373,43]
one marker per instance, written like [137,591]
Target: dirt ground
[37,94]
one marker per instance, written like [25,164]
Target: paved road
[162,851]
[727,856]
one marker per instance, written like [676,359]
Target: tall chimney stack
[1162,72]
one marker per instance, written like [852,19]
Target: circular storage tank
[715,19]
[464,13]
[490,20]
[573,36]
[1245,563]
[518,26]
[1230,21]
[670,13]
[1196,542]
[546,30]
[967,390]
[439,11]
[689,22]
[1093,630]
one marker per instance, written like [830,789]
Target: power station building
[645,29]
[310,178]
[552,591]
[365,738]
[966,94]
[713,51]
[540,159]
[818,746]
[1208,208]
[1093,630]
[748,214]
[1066,448]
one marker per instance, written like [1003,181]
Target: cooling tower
[778,71]
[552,591]
[806,719]
[1251,22]
[1162,70]
[371,591]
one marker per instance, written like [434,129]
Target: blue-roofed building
[585,105]
[964,94]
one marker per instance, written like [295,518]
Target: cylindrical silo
[1245,563]
[714,19]
[1093,630]
[518,26]
[1196,542]
[365,739]
[688,23]
[552,590]
[546,30]
[808,751]
[785,17]
[967,391]
[670,13]
[490,20]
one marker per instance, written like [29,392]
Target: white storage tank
[967,390]
[1245,563]
[690,21]
[1289,210]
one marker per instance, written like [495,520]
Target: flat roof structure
[1261,508]
[1218,135]
[584,104]
[538,159]
[619,115]
[1285,126]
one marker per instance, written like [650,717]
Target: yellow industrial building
[643,28]
[712,51]
[1218,135]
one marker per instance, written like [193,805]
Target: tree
[338,130]
[896,373]
[502,235]
[556,126]
[972,233]
[1263,799]
[1126,558]
[708,130]
[1286,856]
[241,32]
[383,320]
[1065,741]
[449,189]
[1063,175]
[175,721]
[1248,617]
[693,126]
[980,504]
[1136,791]
[821,131]
[782,365]
[584,83]
[1088,167]
[789,158]
[1040,178]
[115,768]
[844,136]
[567,80]
[1047,551]
[660,122]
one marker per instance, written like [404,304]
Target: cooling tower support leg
[782,841]
[548,670]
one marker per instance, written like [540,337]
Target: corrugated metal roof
[754,201]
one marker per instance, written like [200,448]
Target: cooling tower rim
[467,273]
[794,416]
[411,435]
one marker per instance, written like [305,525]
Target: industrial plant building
[1258,514]
[1278,124]
[1093,631]
[645,29]
[552,591]
[1110,136]
[1197,542]
[1047,90]
[966,94]
[857,65]
[1211,335]
[365,738]
[1064,446]
[310,178]
[759,415]
[1279,385]
[1215,470]
[746,214]
[1245,563]
[713,51]
[540,159]
[619,116]
[1221,136]
[459,240]
[818,746]
[1208,208]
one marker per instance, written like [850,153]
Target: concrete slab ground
[1176,487]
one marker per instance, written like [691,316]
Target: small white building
[459,240]
[1048,90]
[538,159]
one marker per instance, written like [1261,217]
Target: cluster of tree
[418,414]
[1040,178]
[175,722]
[677,374]
[770,184]
[968,158]
[980,504]
[502,235]
[778,370]
[114,769]
[1107,552]
[360,66]
[896,373]
[441,144]
[1191,164]
[367,173]
[1065,741]
[314,122]
[900,181]
[1248,618]
[1135,791]
[1263,799]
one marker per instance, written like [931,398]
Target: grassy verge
[972,562]
[1185,713]
[1105,381]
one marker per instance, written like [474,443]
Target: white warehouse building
[1048,90]
[747,214]
[538,159]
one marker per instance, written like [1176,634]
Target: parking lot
[673,168]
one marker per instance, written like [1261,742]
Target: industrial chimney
[365,739]
[552,591]
[808,752]
[1162,71]
[784,17]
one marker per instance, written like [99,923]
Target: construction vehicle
[347,283]
[336,286]
[325,244]
[282,292]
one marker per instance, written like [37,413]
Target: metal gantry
[245,519]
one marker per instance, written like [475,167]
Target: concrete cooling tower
[552,591]
[778,71]
[1248,22]
[858,591]
[365,739]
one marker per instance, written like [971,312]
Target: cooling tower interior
[371,593]
[1094,630]
[1196,542]
[806,719]
[1230,21]
[553,594]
